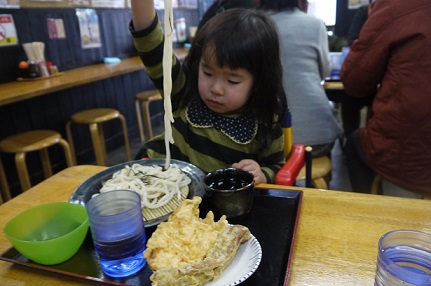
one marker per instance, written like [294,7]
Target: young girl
[227,96]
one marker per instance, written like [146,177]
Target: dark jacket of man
[393,52]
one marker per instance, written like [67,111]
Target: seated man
[394,64]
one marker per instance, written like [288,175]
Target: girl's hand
[253,167]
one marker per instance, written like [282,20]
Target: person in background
[305,61]
[359,19]
[351,111]
[227,95]
[391,59]
[223,5]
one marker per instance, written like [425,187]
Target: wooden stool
[38,140]
[320,172]
[4,188]
[142,101]
[379,185]
[94,118]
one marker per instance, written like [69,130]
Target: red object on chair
[296,156]
[287,174]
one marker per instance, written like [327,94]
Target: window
[325,10]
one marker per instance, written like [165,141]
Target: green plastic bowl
[49,233]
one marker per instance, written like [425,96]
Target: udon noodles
[167,78]
[155,185]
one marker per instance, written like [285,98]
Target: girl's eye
[207,73]
[233,81]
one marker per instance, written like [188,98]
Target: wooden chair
[314,171]
[142,105]
[94,118]
[297,155]
[377,188]
[23,143]
[4,188]
[320,173]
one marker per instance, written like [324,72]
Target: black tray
[272,220]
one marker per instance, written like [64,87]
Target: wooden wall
[52,111]
[31,25]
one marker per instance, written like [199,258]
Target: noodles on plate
[160,190]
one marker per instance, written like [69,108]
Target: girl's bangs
[225,51]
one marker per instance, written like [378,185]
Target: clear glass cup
[404,258]
[117,227]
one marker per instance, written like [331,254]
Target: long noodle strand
[167,78]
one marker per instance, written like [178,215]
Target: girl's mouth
[213,103]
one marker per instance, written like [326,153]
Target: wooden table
[21,90]
[336,242]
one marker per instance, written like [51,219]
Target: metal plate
[91,186]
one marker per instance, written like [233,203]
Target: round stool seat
[142,106]
[29,141]
[94,118]
[321,171]
[22,143]
[149,95]
[96,115]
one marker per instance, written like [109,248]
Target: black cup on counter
[230,192]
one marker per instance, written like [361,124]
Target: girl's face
[222,89]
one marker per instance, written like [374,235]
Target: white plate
[243,265]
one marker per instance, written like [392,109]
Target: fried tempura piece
[185,238]
[187,250]
[218,258]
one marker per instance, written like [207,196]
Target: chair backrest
[286,125]
[296,156]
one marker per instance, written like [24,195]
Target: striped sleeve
[149,43]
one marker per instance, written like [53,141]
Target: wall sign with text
[8,35]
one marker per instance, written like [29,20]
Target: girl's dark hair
[246,39]
[278,5]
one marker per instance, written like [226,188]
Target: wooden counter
[21,90]
[336,241]
[333,85]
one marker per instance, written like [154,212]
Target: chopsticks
[35,51]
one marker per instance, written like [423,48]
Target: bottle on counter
[43,68]
[33,70]
[52,69]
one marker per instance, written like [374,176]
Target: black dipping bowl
[230,192]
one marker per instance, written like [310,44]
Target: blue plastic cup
[404,258]
[117,227]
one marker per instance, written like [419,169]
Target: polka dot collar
[241,129]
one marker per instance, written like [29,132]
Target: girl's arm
[143,13]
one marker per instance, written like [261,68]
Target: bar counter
[21,90]
[335,244]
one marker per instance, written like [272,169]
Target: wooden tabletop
[336,241]
[21,90]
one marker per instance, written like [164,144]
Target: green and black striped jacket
[208,148]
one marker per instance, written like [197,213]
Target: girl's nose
[216,88]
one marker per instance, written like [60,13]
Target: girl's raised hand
[253,167]
[143,13]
